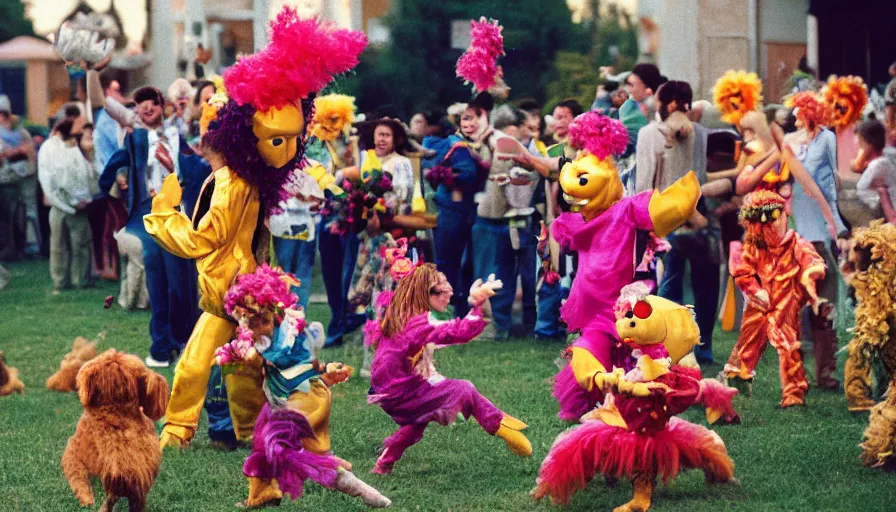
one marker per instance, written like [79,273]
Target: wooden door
[782,60]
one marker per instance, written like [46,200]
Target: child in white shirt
[877,186]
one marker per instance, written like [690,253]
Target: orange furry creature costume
[64,379]
[879,445]
[115,439]
[870,269]
[777,274]
[844,99]
[9,378]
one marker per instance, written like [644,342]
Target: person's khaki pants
[69,248]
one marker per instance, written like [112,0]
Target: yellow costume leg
[191,382]
[262,493]
[315,406]
[644,485]
[246,398]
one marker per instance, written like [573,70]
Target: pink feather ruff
[302,57]
[479,64]
[598,135]
[595,447]
[715,395]
[278,452]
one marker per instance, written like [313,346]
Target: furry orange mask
[845,98]
[735,94]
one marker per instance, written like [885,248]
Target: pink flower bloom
[402,267]
[266,289]
[479,64]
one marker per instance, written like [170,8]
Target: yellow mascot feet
[262,493]
[516,441]
[643,492]
[175,437]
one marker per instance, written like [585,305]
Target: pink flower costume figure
[602,227]
[403,378]
[291,441]
[635,434]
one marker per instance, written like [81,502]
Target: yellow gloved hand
[639,389]
[418,205]
[672,207]
[324,180]
[336,373]
[170,195]
[604,380]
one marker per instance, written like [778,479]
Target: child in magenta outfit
[404,380]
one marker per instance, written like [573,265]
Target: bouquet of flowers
[237,351]
[363,197]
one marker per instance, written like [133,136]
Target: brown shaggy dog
[64,379]
[116,439]
[9,378]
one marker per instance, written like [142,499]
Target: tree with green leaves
[577,71]
[416,69]
[14,23]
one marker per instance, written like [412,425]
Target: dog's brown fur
[64,379]
[116,439]
[9,378]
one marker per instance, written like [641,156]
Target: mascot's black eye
[632,324]
[629,314]
[583,181]
[276,142]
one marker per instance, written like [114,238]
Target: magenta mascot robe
[606,249]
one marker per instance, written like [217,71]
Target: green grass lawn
[797,459]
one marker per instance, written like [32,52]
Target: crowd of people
[176,194]
[484,226]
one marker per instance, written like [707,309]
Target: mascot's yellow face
[590,185]
[653,320]
[278,131]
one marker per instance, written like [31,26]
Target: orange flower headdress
[736,93]
[808,108]
[845,97]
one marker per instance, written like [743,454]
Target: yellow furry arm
[174,231]
[673,207]
[585,367]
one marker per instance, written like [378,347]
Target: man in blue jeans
[171,281]
[504,238]
[699,249]
[338,252]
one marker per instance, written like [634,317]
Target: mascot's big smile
[590,185]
